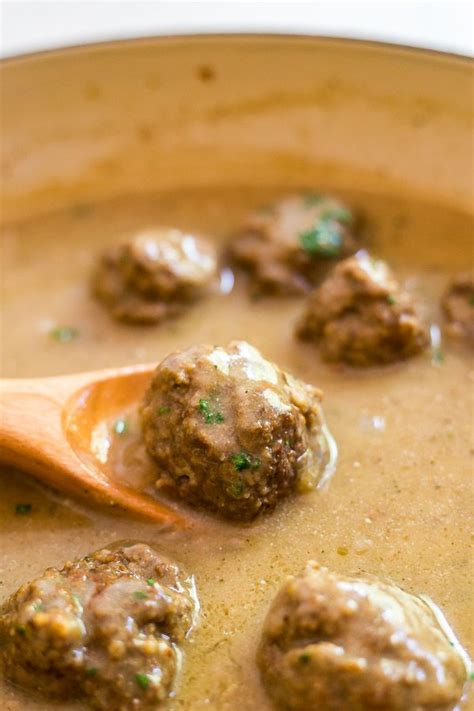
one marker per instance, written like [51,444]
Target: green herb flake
[139,595]
[121,426]
[64,334]
[340,214]
[437,357]
[243,461]
[391,299]
[23,509]
[471,676]
[211,417]
[38,606]
[163,410]
[76,598]
[323,240]
[471,300]
[304,658]
[21,630]
[92,671]
[310,199]
[142,680]
[151,581]
[237,489]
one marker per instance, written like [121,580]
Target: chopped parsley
[211,416]
[237,489]
[163,410]
[323,240]
[150,581]
[21,630]
[23,509]
[471,300]
[142,680]
[243,461]
[311,199]
[92,671]
[304,658]
[391,299]
[437,357]
[64,334]
[121,426]
[139,595]
[340,214]
[471,676]
[38,606]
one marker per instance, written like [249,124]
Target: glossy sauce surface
[400,503]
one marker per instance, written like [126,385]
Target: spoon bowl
[47,427]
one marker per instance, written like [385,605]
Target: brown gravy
[400,503]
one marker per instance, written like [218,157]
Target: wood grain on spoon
[46,426]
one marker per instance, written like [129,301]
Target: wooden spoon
[46,426]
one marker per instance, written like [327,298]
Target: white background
[441,24]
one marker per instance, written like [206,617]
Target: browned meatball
[332,643]
[231,431]
[105,627]
[287,246]
[154,275]
[360,316]
[458,306]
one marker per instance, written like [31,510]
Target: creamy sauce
[400,502]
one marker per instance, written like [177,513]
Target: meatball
[154,275]
[287,246]
[332,643]
[359,315]
[231,431]
[106,627]
[458,306]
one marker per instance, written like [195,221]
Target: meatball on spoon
[47,427]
